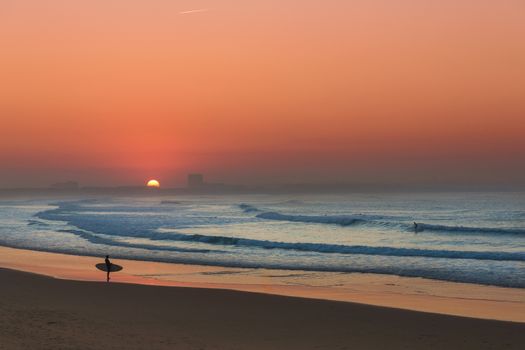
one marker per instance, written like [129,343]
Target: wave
[377,220]
[466,229]
[304,247]
[342,249]
[106,241]
[341,220]
[247,208]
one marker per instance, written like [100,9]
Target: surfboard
[114,267]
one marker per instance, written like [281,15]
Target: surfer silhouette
[108,266]
[415,227]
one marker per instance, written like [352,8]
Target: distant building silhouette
[195,180]
[67,185]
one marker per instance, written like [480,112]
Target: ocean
[464,237]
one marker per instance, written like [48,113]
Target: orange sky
[111,92]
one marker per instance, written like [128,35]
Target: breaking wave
[333,220]
[107,241]
[248,208]
[343,249]
[376,220]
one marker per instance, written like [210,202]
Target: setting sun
[153,183]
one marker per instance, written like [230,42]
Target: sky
[114,92]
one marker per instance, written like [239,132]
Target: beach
[44,313]
[77,310]
[418,294]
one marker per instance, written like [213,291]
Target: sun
[153,183]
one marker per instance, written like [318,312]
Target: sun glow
[153,183]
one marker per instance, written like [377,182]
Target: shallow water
[473,237]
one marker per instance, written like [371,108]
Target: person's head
[107,256]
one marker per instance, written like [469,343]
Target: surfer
[415,227]
[108,266]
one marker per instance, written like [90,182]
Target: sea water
[465,237]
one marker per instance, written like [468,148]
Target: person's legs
[108,277]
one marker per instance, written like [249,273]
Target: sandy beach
[418,294]
[209,308]
[38,312]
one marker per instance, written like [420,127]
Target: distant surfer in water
[108,266]
[415,227]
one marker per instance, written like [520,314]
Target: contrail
[193,11]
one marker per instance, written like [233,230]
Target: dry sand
[38,312]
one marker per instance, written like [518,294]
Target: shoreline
[407,293]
